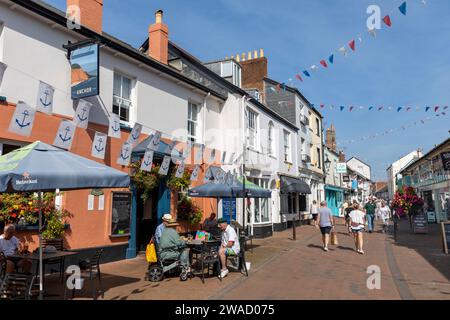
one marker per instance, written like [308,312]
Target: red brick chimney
[341,156]
[91,13]
[254,71]
[158,38]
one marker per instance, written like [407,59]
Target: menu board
[420,223]
[446,236]
[121,213]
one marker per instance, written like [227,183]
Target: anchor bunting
[188,149]
[212,157]
[81,118]
[180,170]
[125,154]
[164,169]
[195,172]
[22,120]
[45,98]
[147,161]
[154,141]
[114,126]
[199,154]
[224,155]
[2,71]
[99,145]
[65,135]
[133,138]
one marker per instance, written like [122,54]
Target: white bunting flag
[81,118]
[180,170]
[199,154]
[224,156]
[212,156]
[135,134]
[314,68]
[22,120]
[231,160]
[343,50]
[164,169]
[2,71]
[188,149]
[65,135]
[125,154]
[45,98]
[175,153]
[360,39]
[147,161]
[99,145]
[154,141]
[373,32]
[114,126]
[195,172]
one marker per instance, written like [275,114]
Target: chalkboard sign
[121,212]
[446,236]
[229,209]
[420,223]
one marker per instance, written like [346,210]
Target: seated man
[210,224]
[9,244]
[170,245]
[159,229]
[229,246]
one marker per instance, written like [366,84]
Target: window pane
[265,211]
[124,114]
[117,84]
[194,112]
[257,210]
[116,109]
[126,88]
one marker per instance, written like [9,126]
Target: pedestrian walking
[357,224]
[325,220]
[384,213]
[370,208]
[314,212]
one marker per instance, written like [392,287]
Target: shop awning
[294,185]
[334,188]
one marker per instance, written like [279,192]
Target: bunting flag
[331,59]
[306,73]
[380,108]
[22,120]
[373,32]
[212,157]
[427,108]
[224,156]
[45,98]
[147,161]
[360,39]
[387,21]
[370,108]
[65,135]
[180,170]
[352,45]
[154,141]
[409,108]
[342,108]
[81,118]
[199,154]
[114,126]
[399,109]
[314,68]
[343,50]
[195,172]
[351,108]
[99,145]
[446,107]
[133,138]
[125,154]
[324,63]
[402,8]
[231,160]
[299,77]
[3,67]
[188,149]
[164,169]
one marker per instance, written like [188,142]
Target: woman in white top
[385,213]
[357,224]
[314,211]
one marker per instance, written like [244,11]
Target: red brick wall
[91,13]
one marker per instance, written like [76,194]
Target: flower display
[407,202]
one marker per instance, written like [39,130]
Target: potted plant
[407,203]
[187,210]
[145,181]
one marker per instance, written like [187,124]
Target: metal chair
[241,255]
[16,286]
[209,257]
[59,245]
[246,235]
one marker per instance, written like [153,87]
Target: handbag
[334,238]
[150,253]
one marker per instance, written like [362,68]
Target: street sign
[341,167]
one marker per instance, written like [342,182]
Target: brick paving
[282,268]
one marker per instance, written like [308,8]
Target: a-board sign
[446,236]
[420,223]
[121,213]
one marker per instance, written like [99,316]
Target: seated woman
[170,245]
[9,244]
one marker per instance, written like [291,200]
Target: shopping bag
[334,238]
[150,253]
[200,235]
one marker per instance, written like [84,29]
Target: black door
[146,220]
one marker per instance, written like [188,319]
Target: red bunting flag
[436,109]
[324,63]
[299,77]
[409,108]
[351,44]
[351,108]
[322,106]
[387,21]
[380,108]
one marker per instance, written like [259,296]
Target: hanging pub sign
[445,156]
[84,63]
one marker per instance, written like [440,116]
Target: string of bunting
[22,123]
[352,108]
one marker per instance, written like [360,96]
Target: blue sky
[406,65]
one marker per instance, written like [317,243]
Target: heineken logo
[26,179]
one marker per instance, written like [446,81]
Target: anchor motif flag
[195,172]
[212,156]
[231,160]
[99,145]
[175,153]
[154,141]
[164,169]
[147,161]
[45,98]
[224,156]
[114,126]
[133,139]
[2,71]
[125,154]
[187,150]
[199,154]
[65,135]
[180,170]
[22,120]
[81,118]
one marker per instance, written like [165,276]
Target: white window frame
[251,124]
[194,122]
[271,140]
[123,101]
[287,146]
[263,183]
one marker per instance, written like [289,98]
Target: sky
[407,64]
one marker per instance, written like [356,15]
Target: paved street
[414,268]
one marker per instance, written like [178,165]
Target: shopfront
[259,214]
[335,198]
[293,199]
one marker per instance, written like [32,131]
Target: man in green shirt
[370,208]
[171,246]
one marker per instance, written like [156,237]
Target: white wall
[356,165]
[396,167]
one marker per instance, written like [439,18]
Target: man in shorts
[229,246]
[326,223]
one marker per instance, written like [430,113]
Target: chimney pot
[261,53]
[243,56]
[238,59]
[249,56]
[255,54]
[158,34]
[159,16]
